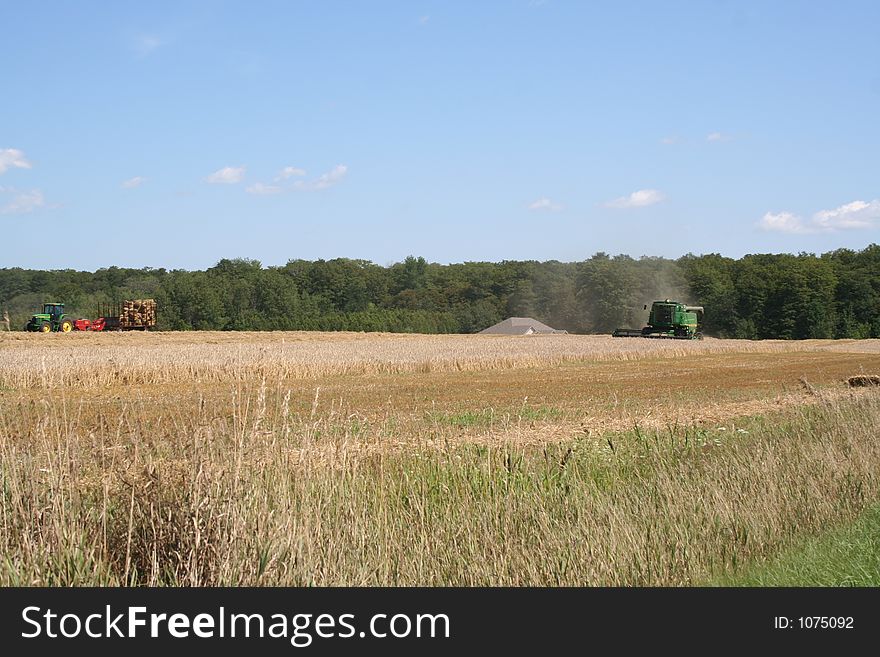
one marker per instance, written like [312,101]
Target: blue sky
[173,134]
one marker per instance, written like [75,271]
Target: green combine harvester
[668,319]
[51,319]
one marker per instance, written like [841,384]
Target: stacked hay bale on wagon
[138,313]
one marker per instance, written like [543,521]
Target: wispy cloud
[131,183]
[289,172]
[263,190]
[545,203]
[637,199]
[850,216]
[23,202]
[12,158]
[718,136]
[323,181]
[226,176]
[669,141]
[423,20]
[146,44]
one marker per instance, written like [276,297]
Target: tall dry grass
[242,491]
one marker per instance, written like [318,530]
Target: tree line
[832,295]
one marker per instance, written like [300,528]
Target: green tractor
[51,319]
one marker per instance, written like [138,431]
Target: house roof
[520,326]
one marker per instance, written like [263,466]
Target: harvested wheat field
[345,458]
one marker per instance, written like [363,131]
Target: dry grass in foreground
[253,496]
[294,458]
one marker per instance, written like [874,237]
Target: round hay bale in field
[862,380]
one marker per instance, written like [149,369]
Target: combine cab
[51,319]
[668,319]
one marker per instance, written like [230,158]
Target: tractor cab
[53,310]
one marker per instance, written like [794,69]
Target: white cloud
[423,20]
[289,172]
[144,44]
[261,189]
[718,136]
[12,157]
[857,214]
[131,183]
[323,181]
[226,176]
[668,141]
[545,203]
[850,216]
[637,199]
[22,202]
[784,222]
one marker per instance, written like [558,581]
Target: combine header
[668,319]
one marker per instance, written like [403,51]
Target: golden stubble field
[529,388]
[336,458]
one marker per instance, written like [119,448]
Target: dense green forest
[834,295]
